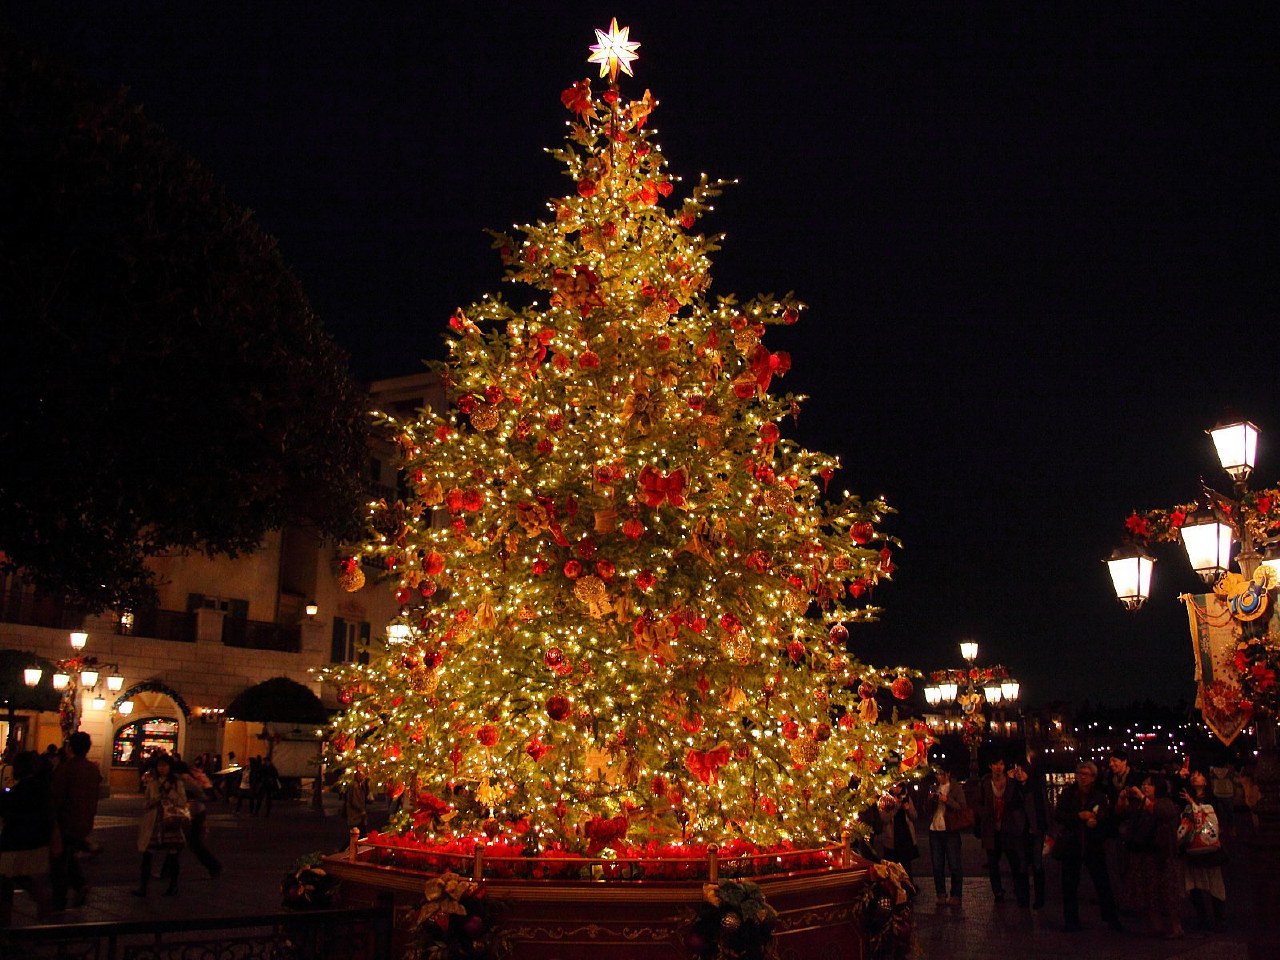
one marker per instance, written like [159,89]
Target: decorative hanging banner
[1214,635]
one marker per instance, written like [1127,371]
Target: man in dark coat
[1082,816]
[75,786]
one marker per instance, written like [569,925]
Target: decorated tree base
[840,911]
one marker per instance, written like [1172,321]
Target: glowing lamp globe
[78,639]
[115,683]
[1010,689]
[948,690]
[1208,544]
[1237,445]
[969,650]
[993,693]
[61,680]
[99,703]
[88,677]
[1130,570]
[126,707]
[933,695]
[31,676]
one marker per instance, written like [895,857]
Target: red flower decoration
[1138,526]
[578,99]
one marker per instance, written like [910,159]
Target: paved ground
[256,851]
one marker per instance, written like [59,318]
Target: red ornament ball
[866,690]
[861,533]
[795,650]
[791,729]
[558,707]
[839,634]
[553,658]
[902,688]
[487,735]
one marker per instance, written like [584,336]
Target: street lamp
[1209,530]
[1130,569]
[962,687]
[77,675]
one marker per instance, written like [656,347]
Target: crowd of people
[1149,841]
[49,801]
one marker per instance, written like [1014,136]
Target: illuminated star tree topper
[615,50]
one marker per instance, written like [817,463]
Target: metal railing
[345,934]
[261,635]
[160,624]
[716,862]
[38,610]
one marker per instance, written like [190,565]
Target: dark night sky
[1038,242]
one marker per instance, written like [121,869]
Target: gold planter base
[628,920]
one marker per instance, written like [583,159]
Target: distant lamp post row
[963,688]
[76,675]
[1210,532]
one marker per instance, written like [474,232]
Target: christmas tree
[624,591]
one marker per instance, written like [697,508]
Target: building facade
[222,626]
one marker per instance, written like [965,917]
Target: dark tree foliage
[165,384]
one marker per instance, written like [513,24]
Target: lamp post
[962,687]
[74,676]
[1209,531]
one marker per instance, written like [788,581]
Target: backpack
[1223,783]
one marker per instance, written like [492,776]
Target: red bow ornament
[764,367]
[705,764]
[657,487]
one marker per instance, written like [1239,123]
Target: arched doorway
[158,722]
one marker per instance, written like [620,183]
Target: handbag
[961,819]
[1198,833]
[1139,832]
[174,814]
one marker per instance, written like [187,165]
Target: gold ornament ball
[746,339]
[352,581]
[590,589]
[777,498]
[484,417]
[730,922]
[804,751]
[737,647]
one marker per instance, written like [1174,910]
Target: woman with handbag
[165,818]
[948,814]
[1201,846]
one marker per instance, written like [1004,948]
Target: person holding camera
[1149,828]
[1002,824]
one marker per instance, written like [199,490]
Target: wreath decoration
[455,921]
[888,916]
[734,922]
